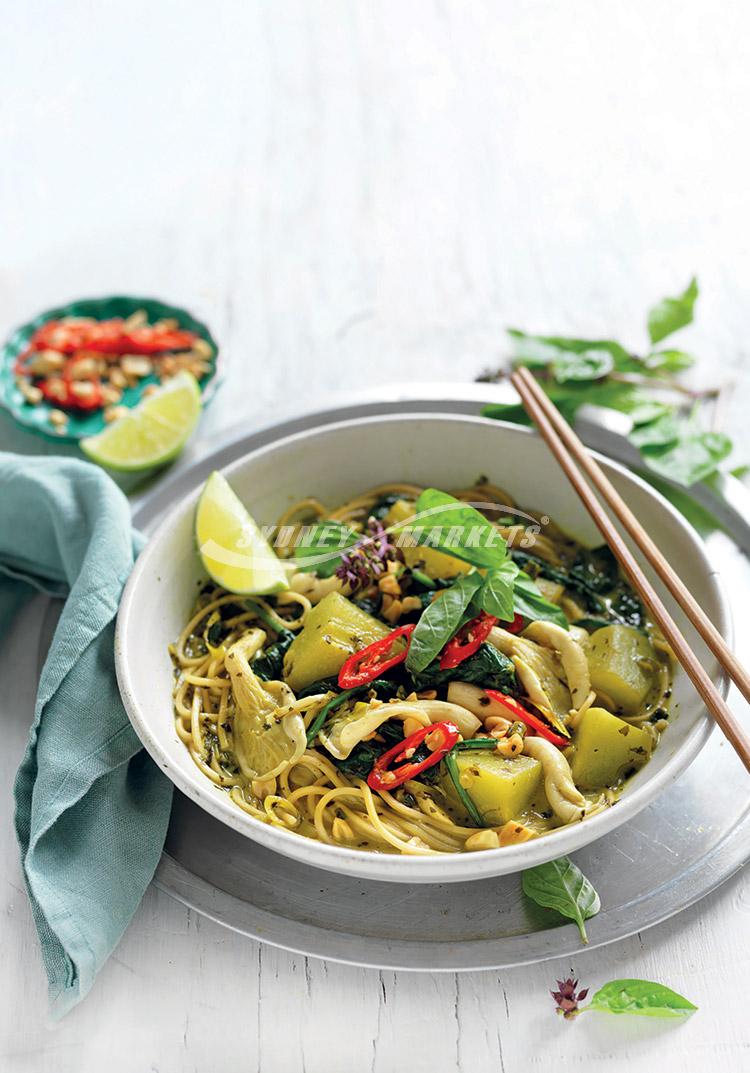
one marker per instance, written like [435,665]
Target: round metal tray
[676,851]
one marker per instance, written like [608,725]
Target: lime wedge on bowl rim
[153,432]
[234,552]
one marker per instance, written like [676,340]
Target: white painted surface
[351,192]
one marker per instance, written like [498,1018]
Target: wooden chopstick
[622,511]
[540,409]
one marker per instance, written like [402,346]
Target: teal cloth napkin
[91,807]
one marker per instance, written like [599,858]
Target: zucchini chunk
[605,748]
[334,629]
[616,656]
[502,788]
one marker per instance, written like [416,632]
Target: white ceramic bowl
[334,463]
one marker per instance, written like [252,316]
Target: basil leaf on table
[642,997]
[561,885]
[320,542]
[457,529]
[439,621]
[671,314]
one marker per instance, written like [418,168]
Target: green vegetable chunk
[605,747]
[501,788]
[616,655]
[335,628]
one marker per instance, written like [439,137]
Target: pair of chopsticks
[576,461]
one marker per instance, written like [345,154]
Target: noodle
[313,795]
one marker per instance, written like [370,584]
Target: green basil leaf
[588,365]
[439,621]
[662,431]
[442,521]
[671,314]
[570,397]
[693,457]
[561,885]
[643,411]
[642,997]
[320,544]
[668,361]
[496,594]
[541,349]
[529,602]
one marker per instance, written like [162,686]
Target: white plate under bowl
[334,463]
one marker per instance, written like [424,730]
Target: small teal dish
[36,418]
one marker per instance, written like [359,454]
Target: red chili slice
[109,337]
[537,724]
[383,778]
[369,663]
[515,626]
[59,391]
[154,340]
[467,641]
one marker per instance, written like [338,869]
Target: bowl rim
[397,867]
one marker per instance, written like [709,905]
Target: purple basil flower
[368,559]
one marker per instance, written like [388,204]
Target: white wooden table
[353,192]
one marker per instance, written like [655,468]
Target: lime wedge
[235,553]
[153,432]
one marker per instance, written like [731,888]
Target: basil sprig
[642,997]
[561,885]
[440,620]
[444,522]
[496,597]
[601,372]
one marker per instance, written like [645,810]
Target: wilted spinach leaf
[383,505]
[487,668]
[596,569]
[270,665]
[628,609]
